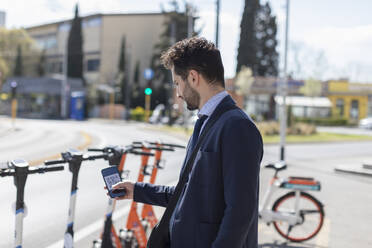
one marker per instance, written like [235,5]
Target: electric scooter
[20,169]
[74,158]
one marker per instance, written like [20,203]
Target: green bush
[138,114]
[331,121]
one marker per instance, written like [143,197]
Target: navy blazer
[219,205]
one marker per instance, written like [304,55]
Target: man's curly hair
[195,54]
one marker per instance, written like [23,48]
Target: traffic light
[148,91]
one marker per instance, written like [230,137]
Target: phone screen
[111,176]
[111,180]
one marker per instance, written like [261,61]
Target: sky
[328,39]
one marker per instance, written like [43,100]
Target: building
[39,97]
[352,101]
[2,19]
[102,35]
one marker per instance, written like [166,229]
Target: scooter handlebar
[95,150]
[45,169]
[53,162]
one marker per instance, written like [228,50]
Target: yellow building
[352,101]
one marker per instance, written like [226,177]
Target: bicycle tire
[310,199]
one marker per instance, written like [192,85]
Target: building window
[93,64]
[92,22]
[340,106]
[354,110]
[64,27]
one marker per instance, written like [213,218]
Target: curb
[356,171]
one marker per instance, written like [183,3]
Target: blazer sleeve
[152,194]
[242,151]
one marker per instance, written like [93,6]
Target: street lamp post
[283,91]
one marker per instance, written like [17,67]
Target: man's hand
[129,188]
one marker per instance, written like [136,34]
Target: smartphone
[111,176]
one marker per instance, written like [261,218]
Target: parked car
[366,123]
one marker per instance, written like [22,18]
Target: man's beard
[191,97]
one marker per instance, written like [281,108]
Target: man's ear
[194,78]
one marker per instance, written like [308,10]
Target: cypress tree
[257,45]
[248,41]
[41,66]
[18,68]
[75,48]
[267,55]
[136,96]
[123,72]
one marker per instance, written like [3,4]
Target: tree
[4,70]
[75,48]
[248,42]
[257,45]
[122,73]
[267,56]
[10,41]
[18,68]
[41,66]
[175,29]
[312,88]
[136,96]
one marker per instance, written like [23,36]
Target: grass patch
[318,137]
[272,139]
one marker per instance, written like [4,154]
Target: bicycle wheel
[311,213]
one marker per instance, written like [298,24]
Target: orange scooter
[148,214]
[116,156]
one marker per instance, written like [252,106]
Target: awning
[304,101]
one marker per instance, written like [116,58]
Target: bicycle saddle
[278,166]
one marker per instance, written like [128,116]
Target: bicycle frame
[268,215]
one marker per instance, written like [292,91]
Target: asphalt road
[347,198]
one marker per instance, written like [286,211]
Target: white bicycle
[297,215]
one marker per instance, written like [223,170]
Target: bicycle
[74,158]
[297,215]
[19,169]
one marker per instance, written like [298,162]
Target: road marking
[95,226]
[323,236]
[87,142]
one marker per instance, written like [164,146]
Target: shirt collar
[212,103]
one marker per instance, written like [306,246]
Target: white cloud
[348,49]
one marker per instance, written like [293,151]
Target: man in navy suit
[218,206]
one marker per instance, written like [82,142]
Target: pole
[217,21]
[64,83]
[14,112]
[170,90]
[283,89]
[147,107]
[112,100]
